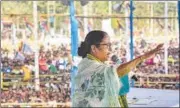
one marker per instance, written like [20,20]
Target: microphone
[116,60]
[134,77]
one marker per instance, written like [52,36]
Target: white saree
[96,85]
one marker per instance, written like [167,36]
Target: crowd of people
[55,64]
[27,94]
[54,75]
[155,64]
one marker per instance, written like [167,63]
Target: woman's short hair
[92,38]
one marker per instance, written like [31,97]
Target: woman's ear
[93,48]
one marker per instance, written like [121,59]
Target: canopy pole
[131,29]
[166,38]
[37,83]
[85,20]
[74,42]
[179,16]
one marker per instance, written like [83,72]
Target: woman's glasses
[108,45]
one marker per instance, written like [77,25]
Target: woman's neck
[92,57]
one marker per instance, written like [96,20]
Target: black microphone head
[134,77]
[114,58]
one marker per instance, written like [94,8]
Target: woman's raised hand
[158,48]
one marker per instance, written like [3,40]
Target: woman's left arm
[127,67]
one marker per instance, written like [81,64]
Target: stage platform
[140,97]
